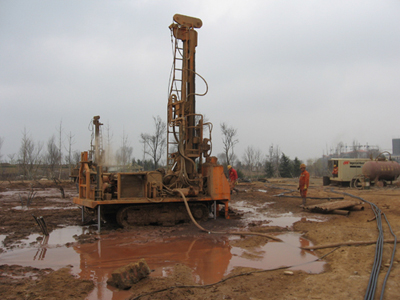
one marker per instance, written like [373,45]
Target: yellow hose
[221,232]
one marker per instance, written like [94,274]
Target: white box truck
[347,170]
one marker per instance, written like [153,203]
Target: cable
[391,260]
[373,280]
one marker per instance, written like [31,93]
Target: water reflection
[210,257]
[251,214]
[41,252]
[277,254]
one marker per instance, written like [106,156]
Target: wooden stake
[344,244]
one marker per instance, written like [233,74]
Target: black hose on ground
[373,280]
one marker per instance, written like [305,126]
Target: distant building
[396,150]
[396,147]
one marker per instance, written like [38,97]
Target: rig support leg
[226,210]
[98,218]
[215,209]
[83,214]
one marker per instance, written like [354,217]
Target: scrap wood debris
[337,206]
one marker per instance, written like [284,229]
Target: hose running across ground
[373,280]
[221,232]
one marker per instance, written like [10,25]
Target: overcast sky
[301,75]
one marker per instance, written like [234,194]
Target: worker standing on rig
[304,181]
[233,178]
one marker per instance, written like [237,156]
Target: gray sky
[301,75]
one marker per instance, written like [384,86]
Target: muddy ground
[345,276]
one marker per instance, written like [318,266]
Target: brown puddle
[251,213]
[211,257]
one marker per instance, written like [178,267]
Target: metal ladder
[175,89]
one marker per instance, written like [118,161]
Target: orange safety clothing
[335,171]
[304,181]
[233,176]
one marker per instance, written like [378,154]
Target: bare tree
[60,149]
[109,137]
[229,139]
[1,145]
[154,145]
[248,157]
[11,158]
[310,166]
[124,153]
[253,158]
[76,157]
[71,141]
[274,159]
[258,161]
[52,157]
[316,167]
[27,146]
[29,155]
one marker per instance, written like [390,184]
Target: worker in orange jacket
[233,178]
[304,182]
[335,171]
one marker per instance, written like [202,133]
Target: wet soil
[255,208]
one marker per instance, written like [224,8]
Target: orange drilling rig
[193,185]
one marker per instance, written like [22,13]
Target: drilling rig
[193,185]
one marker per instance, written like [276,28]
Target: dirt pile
[125,277]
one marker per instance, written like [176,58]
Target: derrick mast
[186,145]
